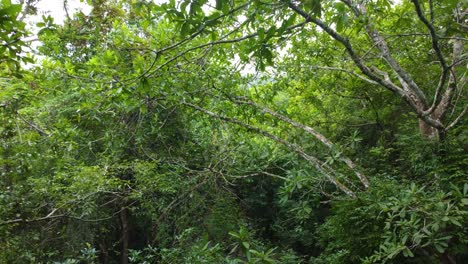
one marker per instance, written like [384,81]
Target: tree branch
[348,72]
[414,97]
[350,50]
[446,100]
[320,166]
[404,78]
[157,53]
[214,43]
[34,126]
[434,37]
[438,51]
[52,216]
[456,119]
[312,132]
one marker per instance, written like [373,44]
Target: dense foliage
[226,131]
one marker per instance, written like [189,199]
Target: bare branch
[414,97]
[356,59]
[259,174]
[456,119]
[446,100]
[405,79]
[65,8]
[438,51]
[348,72]
[320,166]
[312,132]
[21,220]
[434,37]
[34,126]
[51,216]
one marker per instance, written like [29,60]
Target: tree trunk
[124,221]
[104,256]
[446,258]
[427,131]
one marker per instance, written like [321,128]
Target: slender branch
[311,159]
[27,7]
[65,8]
[180,198]
[312,132]
[421,34]
[415,98]
[434,37]
[438,51]
[458,61]
[34,126]
[446,100]
[348,125]
[218,42]
[157,53]
[431,11]
[357,60]
[175,45]
[52,216]
[405,79]
[21,220]
[19,131]
[259,174]
[456,119]
[346,71]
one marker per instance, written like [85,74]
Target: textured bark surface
[432,116]
[125,235]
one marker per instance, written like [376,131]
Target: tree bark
[351,165]
[320,166]
[104,256]
[427,130]
[124,222]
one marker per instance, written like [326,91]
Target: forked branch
[320,166]
[312,132]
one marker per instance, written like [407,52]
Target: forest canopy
[196,131]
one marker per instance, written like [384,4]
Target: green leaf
[234,234]
[395,252]
[225,9]
[6,3]
[287,23]
[455,222]
[408,253]
[144,85]
[219,4]
[271,31]
[315,7]
[405,238]
[246,245]
[439,248]
[184,29]
[261,34]
[464,201]
[184,5]
[13,10]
